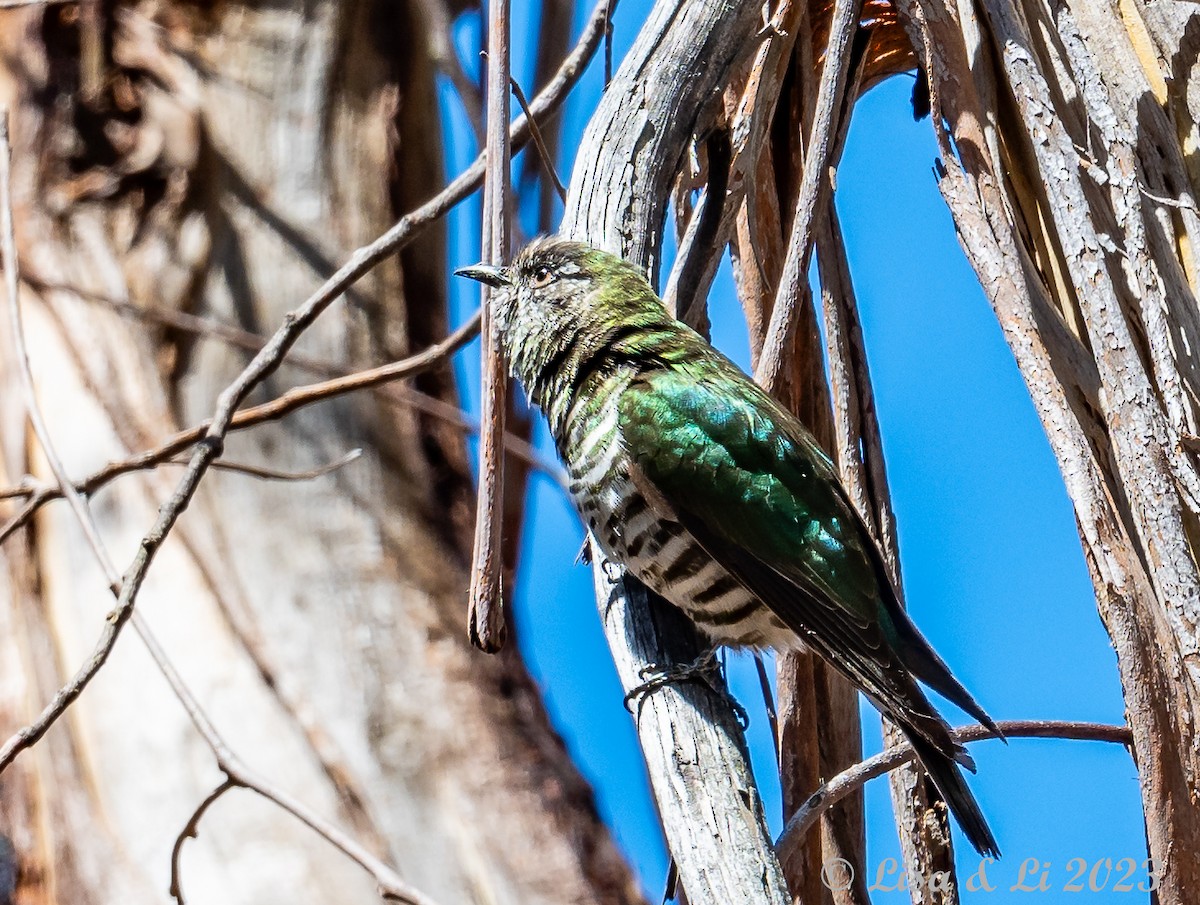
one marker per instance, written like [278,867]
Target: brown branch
[409,397]
[391,887]
[276,474]
[277,408]
[764,686]
[485,618]
[699,250]
[543,151]
[189,831]
[609,6]
[855,777]
[819,153]
[27,488]
[858,451]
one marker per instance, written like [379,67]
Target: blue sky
[992,565]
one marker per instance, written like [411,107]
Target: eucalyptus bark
[221,162]
[1075,201]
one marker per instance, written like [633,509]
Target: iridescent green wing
[753,487]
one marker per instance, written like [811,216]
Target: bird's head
[558,295]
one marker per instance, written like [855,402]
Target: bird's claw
[705,669]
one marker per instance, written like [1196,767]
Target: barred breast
[655,548]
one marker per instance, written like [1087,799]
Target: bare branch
[485,619]
[275,474]
[764,686]
[189,831]
[854,778]
[700,251]
[289,402]
[818,161]
[543,152]
[609,6]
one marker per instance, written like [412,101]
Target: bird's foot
[705,669]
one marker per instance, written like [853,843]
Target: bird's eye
[542,276]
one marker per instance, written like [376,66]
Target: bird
[715,496]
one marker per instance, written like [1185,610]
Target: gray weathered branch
[617,200]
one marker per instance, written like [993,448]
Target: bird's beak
[485,273]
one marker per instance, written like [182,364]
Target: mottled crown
[559,302]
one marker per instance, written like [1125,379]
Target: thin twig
[1181,203]
[609,6]
[855,777]
[27,488]
[190,830]
[815,181]
[686,289]
[293,399]
[406,396]
[538,142]
[277,474]
[40,497]
[485,619]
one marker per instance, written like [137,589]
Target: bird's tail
[948,779]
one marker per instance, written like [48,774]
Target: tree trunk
[220,162]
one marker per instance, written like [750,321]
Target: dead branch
[276,474]
[289,402]
[485,619]
[190,831]
[819,152]
[544,154]
[897,756]
[623,173]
